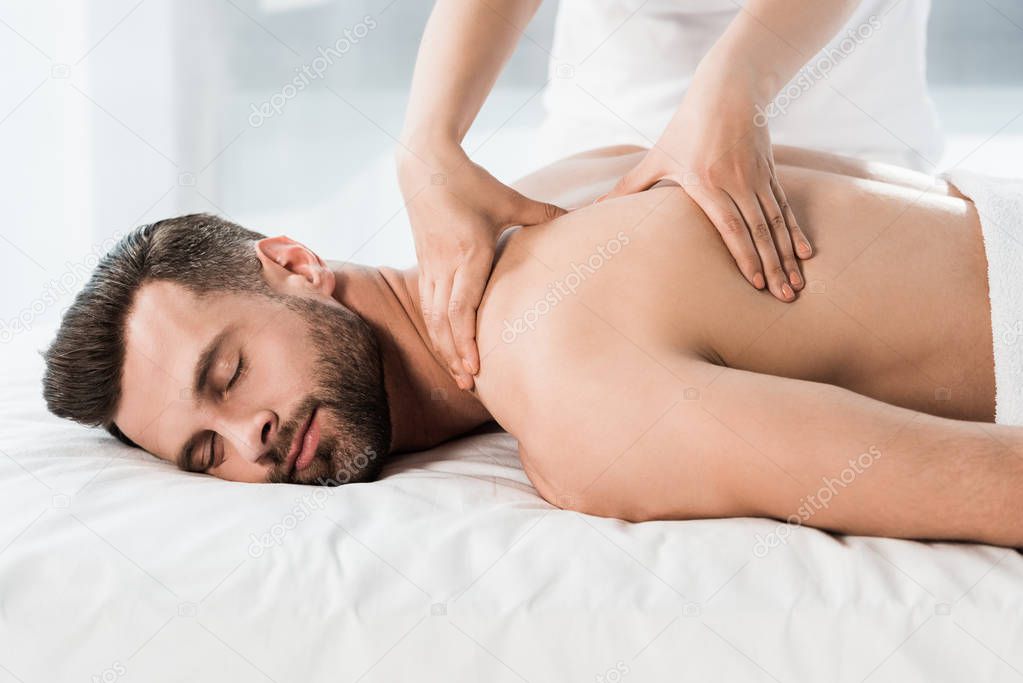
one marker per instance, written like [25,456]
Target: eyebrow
[200,378]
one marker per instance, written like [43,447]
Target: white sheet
[116,566]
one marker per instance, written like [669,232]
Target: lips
[309,443]
[303,445]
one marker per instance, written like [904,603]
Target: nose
[258,435]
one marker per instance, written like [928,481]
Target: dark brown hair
[202,252]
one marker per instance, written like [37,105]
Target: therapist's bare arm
[457,209]
[464,47]
[776,38]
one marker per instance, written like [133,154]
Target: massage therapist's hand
[458,211]
[713,149]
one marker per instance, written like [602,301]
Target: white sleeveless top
[620,69]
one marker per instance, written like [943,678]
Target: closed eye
[237,373]
[210,459]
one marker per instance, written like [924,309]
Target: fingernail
[805,247]
[758,281]
[468,366]
[787,291]
[795,279]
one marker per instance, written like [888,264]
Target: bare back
[895,305]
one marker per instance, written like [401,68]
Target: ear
[288,265]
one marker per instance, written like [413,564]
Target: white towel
[999,203]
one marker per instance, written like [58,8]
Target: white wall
[120,112]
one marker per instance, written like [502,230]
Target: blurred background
[122,112]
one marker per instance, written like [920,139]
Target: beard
[349,396]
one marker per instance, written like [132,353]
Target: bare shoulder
[588,299]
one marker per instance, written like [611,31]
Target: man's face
[278,369]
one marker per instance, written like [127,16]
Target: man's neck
[426,405]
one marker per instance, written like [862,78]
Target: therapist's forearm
[771,40]
[464,47]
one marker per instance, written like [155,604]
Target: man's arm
[748,444]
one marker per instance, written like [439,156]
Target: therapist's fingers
[466,293]
[782,240]
[760,229]
[802,245]
[438,324]
[425,297]
[727,220]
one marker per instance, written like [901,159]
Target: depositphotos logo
[310,72]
